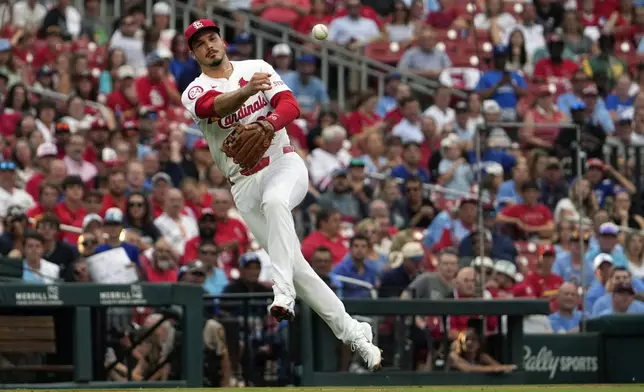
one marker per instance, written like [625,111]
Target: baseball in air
[320,32]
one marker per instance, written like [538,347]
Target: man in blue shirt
[567,318]
[356,267]
[387,101]
[308,89]
[566,101]
[621,100]
[602,185]
[510,190]
[113,226]
[623,301]
[599,115]
[489,154]
[411,164]
[607,240]
[216,279]
[505,87]
[322,264]
[619,275]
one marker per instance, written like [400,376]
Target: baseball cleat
[282,308]
[370,354]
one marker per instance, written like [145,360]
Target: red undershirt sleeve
[286,110]
[205,105]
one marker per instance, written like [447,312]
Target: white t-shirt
[408,132]
[441,118]
[322,163]
[344,29]
[505,21]
[638,272]
[257,107]
[177,233]
[48,273]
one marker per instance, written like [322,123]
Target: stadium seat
[381,51]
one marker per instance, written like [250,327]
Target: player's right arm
[203,101]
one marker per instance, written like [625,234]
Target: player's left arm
[285,107]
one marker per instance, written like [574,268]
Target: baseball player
[242,108]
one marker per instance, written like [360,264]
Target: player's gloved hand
[246,144]
[260,81]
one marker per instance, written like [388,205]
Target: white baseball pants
[265,200]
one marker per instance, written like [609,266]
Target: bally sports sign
[561,358]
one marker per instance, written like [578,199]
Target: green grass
[526,388]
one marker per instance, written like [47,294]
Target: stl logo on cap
[197,25]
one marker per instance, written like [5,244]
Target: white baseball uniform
[265,198]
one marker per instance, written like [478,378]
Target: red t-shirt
[545,69]
[44,56]
[538,215]
[154,275]
[109,201]
[90,154]
[393,117]
[9,120]
[305,25]
[37,211]
[317,239]
[443,19]
[604,8]
[205,202]
[544,286]
[354,122]
[152,94]
[459,323]
[71,218]
[120,105]
[33,184]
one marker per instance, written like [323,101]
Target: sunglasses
[88,243]
[135,204]
[208,252]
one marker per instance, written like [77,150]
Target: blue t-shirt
[215,283]
[504,95]
[347,269]
[564,268]
[597,291]
[508,191]
[401,171]
[613,102]
[385,104]
[559,323]
[606,188]
[434,232]
[504,159]
[131,251]
[636,307]
[308,95]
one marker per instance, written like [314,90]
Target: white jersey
[257,107]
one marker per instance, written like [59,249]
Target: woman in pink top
[544,111]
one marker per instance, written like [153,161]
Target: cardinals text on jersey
[257,107]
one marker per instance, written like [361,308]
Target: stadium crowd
[395,184]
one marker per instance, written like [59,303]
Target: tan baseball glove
[246,144]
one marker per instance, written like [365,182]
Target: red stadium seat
[381,51]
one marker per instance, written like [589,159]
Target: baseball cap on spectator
[165,54]
[113,216]
[590,90]
[248,258]
[130,125]
[98,123]
[161,176]
[491,106]
[5,45]
[577,107]
[602,258]
[449,141]
[153,59]
[160,138]
[553,163]
[356,162]
[626,116]
[200,144]
[46,150]
[194,267]
[413,251]
[281,50]
[393,76]
[483,262]
[609,228]
[460,107]
[466,199]
[506,268]
[243,39]
[339,172]
[547,250]
[16,212]
[125,71]
[7,166]
[493,169]
[624,288]
[594,163]
[62,127]
[207,212]
[307,58]
[199,25]
[161,8]
[91,218]
[530,185]
[45,70]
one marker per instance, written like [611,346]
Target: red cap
[544,90]
[547,249]
[201,143]
[594,162]
[199,25]
[130,125]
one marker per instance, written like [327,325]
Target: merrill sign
[33,298]
[545,361]
[132,297]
